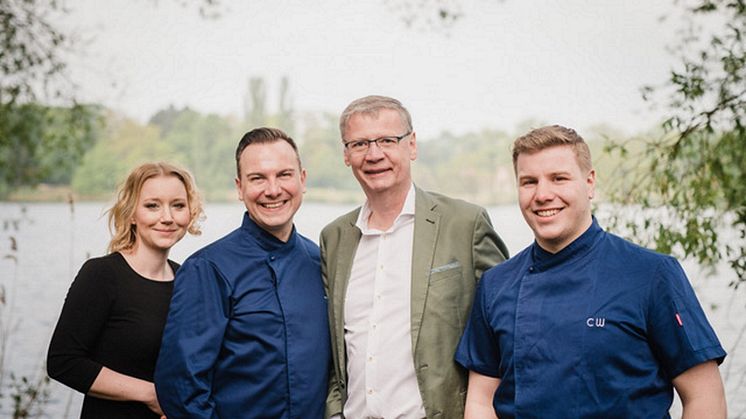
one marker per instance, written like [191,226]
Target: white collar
[407,211]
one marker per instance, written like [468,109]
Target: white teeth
[273,205]
[547,213]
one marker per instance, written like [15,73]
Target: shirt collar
[266,240]
[584,243]
[406,213]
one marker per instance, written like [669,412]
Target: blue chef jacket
[247,333]
[597,330]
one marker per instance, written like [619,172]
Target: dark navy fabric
[247,333]
[590,332]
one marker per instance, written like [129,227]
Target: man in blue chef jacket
[582,323]
[247,333]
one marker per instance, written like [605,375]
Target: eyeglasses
[385,143]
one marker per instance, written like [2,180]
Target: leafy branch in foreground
[685,190]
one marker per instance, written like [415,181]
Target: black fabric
[112,317]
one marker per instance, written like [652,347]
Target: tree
[42,143]
[255,102]
[37,142]
[475,166]
[688,185]
[123,145]
[165,119]
[30,48]
[322,154]
[205,144]
[43,128]
[256,108]
[285,118]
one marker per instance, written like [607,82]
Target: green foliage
[255,102]
[322,153]
[257,112]
[165,119]
[205,144]
[473,166]
[41,143]
[37,142]
[124,145]
[689,185]
[30,48]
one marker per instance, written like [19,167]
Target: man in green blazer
[400,273]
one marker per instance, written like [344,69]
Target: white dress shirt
[377,312]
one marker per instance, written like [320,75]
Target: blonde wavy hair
[121,213]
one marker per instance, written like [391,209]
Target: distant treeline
[475,166]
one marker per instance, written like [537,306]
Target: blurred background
[90,89]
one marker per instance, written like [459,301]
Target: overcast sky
[576,63]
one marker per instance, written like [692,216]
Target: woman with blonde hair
[108,335]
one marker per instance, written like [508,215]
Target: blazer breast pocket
[450,270]
[444,295]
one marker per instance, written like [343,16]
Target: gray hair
[371,105]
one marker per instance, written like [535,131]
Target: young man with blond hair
[583,323]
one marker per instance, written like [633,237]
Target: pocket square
[447,266]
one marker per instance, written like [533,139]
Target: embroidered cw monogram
[596,322]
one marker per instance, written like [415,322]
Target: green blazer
[454,243]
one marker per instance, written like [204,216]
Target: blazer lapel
[344,257]
[426,223]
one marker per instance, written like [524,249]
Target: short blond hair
[121,213]
[551,136]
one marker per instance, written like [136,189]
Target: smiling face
[271,185]
[555,194]
[378,171]
[162,213]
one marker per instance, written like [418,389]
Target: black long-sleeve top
[112,317]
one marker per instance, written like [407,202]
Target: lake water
[42,246]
